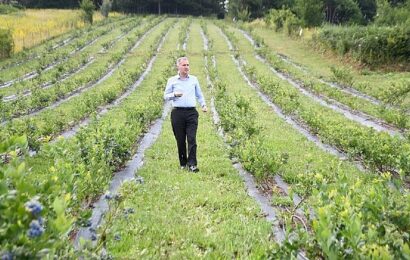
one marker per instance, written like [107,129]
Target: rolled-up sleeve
[169,92]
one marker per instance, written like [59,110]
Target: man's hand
[177,94]
[204,109]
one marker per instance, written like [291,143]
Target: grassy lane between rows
[72,62]
[105,59]
[50,122]
[183,215]
[49,57]
[373,83]
[305,159]
[44,198]
[313,84]
[357,216]
[377,150]
[52,44]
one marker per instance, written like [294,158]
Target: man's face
[183,67]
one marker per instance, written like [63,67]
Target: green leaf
[59,206]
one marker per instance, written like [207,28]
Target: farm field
[366,81]
[31,27]
[292,165]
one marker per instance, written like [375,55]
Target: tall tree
[342,11]
[368,9]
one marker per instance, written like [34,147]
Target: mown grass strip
[252,187]
[178,214]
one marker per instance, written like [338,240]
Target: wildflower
[34,207]
[35,230]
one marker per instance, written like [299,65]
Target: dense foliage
[106,7]
[371,45]
[8,8]
[87,7]
[6,43]
[33,224]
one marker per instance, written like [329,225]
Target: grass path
[369,82]
[180,214]
[305,159]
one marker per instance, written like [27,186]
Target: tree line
[183,7]
[312,12]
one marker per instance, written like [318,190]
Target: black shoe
[193,168]
[183,167]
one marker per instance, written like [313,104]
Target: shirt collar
[179,77]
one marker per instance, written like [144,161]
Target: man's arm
[168,93]
[200,96]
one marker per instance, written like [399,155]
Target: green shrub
[371,45]
[106,8]
[7,9]
[6,43]
[277,18]
[310,11]
[342,75]
[292,26]
[87,6]
[34,225]
[388,15]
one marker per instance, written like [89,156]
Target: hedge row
[371,45]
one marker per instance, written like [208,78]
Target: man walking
[183,89]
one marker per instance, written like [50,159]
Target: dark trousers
[184,125]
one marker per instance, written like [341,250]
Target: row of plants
[41,98]
[49,123]
[396,116]
[176,214]
[27,55]
[72,63]
[164,68]
[47,79]
[378,150]
[69,174]
[247,137]
[56,56]
[356,215]
[356,81]
[242,132]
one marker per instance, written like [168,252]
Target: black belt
[184,108]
